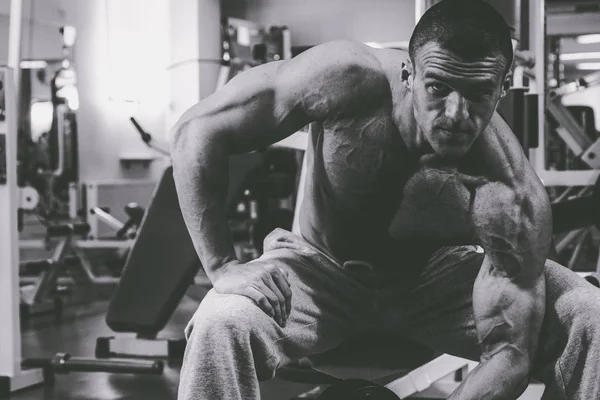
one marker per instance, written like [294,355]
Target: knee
[224,315]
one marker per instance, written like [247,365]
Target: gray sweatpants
[232,344]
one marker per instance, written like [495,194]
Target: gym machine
[68,276]
[566,154]
[43,285]
[16,373]
[12,375]
[245,44]
[583,145]
[47,132]
[51,195]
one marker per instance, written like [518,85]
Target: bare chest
[365,163]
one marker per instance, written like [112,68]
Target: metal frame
[537,156]
[12,376]
[570,130]
[137,346]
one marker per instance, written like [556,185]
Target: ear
[407,73]
[506,85]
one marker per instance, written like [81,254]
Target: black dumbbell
[357,389]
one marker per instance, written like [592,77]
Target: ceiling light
[588,39]
[580,56]
[595,66]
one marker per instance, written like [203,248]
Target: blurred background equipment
[246,44]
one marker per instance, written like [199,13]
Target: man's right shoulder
[345,68]
[346,54]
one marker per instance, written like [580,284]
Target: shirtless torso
[354,185]
[358,168]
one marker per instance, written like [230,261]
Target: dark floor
[77,334]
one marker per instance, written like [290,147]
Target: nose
[456,107]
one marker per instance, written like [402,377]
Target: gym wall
[105,133]
[195,33]
[40,29]
[317,21]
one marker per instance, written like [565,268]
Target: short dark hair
[470,28]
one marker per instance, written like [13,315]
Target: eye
[437,88]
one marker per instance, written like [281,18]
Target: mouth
[452,136]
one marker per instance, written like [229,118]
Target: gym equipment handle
[146,137]
[61,112]
[63,363]
[73,228]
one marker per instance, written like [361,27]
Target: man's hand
[435,205]
[263,283]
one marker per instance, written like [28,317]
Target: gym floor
[77,334]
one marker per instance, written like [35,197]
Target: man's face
[454,99]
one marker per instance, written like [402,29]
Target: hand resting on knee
[263,283]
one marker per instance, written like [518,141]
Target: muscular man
[409,169]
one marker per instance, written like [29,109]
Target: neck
[409,129]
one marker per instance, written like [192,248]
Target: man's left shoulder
[498,154]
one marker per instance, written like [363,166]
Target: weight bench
[160,267]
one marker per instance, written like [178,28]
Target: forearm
[510,290]
[508,316]
[201,174]
[500,377]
